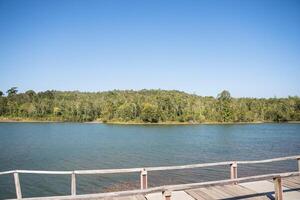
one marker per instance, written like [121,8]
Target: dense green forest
[151,106]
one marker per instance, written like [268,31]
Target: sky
[251,48]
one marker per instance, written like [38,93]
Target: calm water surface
[69,146]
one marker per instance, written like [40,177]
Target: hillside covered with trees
[150,106]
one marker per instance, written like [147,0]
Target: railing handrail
[171,187]
[160,168]
[144,180]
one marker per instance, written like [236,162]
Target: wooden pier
[268,186]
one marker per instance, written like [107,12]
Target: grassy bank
[53,120]
[18,119]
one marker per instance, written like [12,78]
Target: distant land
[144,107]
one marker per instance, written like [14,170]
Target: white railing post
[73,184]
[233,171]
[144,179]
[18,186]
[167,195]
[278,188]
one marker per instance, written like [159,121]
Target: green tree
[224,96]
[30,93]
[224,108]
[12,91]
[150,113]
[3,106]
[127,111]
[57,111]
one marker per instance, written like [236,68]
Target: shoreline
[195,123]
[27,120]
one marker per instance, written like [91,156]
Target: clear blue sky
[251,48]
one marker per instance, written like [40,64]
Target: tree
[225,111]
[149,113]
[56,111]
[1,93]
[3,106]
[224,96]
[30,93]
[127,111]
[12,91]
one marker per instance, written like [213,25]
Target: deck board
[292,182]
[263,190]
[259,190]
[224,192]
[176,195]
[199,192]
[196,195]
[135,197]
[219,190]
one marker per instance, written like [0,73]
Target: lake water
[70,146]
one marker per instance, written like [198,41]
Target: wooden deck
[258,190]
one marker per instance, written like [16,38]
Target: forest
[144,106]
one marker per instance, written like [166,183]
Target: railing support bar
[233,171]
[73,184]
[144,179]
[298,159]
[18,186]
[278,188]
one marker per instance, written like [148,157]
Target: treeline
[145,106]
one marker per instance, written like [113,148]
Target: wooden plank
[223,182]
[194,194]
[223,192]
[135,197]
[139,197]
[241,192]
[204,194]
[211,193]
[290,184]
[199,193]
[218,190]
[248,192]
[228,189]
[295,179]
